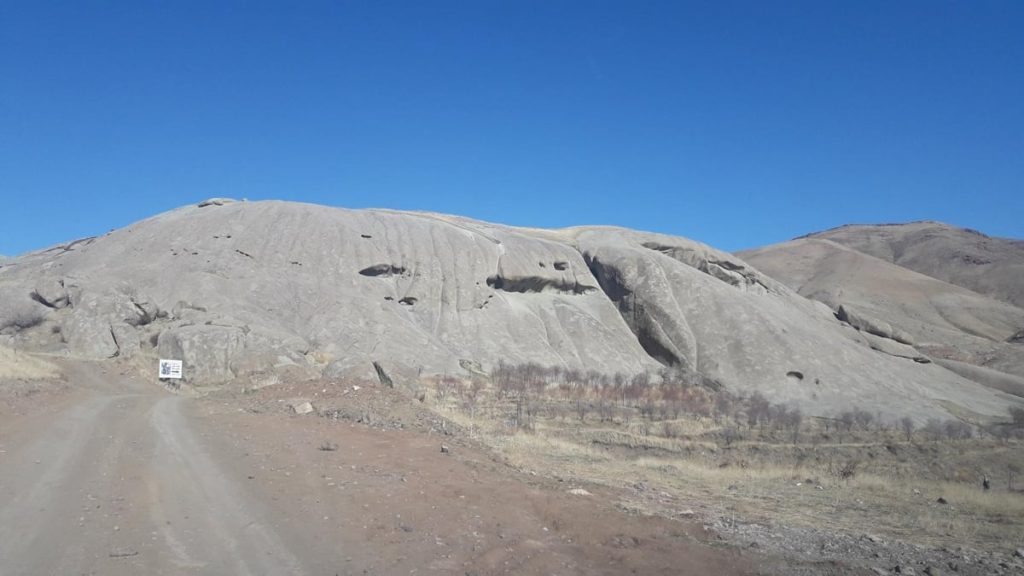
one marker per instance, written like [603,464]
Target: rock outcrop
[237,289]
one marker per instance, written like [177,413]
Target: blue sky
[737,124]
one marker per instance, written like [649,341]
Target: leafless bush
[933,429]
[446,387]
[729,435]
[907,425]
[758,410]
[471,397]
[848,470]
[792,419]
[957,430]
[582,408]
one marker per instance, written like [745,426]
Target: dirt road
[118,477]
[120,484]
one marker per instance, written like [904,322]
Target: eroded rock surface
[253,288]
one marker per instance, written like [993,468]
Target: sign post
[170,369]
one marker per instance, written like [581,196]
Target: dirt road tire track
[119,484]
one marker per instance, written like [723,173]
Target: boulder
[127,340]
[89,336]
[894,348]
[51,293]
[208,352]
[871,325]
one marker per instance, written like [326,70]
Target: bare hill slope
[987,265]
[251,289]
[939,319]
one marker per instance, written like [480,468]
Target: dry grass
[16,365]
[767,483]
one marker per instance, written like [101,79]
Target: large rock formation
[239,288]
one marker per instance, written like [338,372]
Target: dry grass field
[770,483]
[18,365]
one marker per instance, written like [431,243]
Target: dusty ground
[102,472]
[110,475]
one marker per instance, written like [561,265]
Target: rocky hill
[253,289]
[987,265]
[914,282]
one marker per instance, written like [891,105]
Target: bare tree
[447,386]
[793,419]
[933,429]
[471,399]
[758,410]
[907,425]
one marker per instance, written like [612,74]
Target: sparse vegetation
[17,365]
[693,439]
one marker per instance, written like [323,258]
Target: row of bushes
[533,390]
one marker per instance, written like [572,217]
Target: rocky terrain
[350,403]
[987,265]
[940,292]
[260,289]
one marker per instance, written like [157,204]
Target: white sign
[170,368]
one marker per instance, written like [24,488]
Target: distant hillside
[990,266]
[858,271]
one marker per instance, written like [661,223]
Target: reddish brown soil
[390,502]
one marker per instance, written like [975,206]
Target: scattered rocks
[303,408]
[579,492]
[445,449]
[941,500]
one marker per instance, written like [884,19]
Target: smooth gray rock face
[245,288]
[874,326]
[127,340]
[209,352]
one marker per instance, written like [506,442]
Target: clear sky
[737,124]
